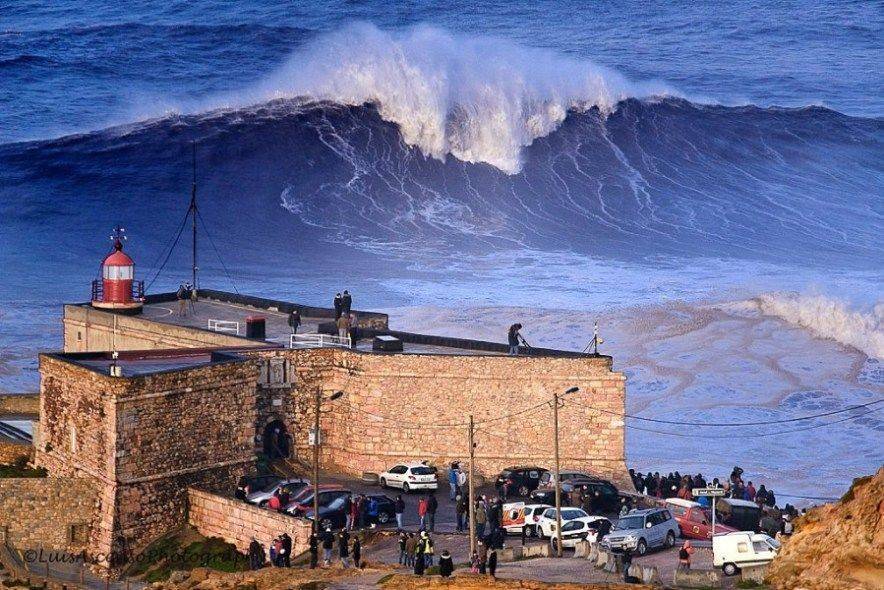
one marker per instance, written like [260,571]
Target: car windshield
[773,543]
[572,514]
[264,486]
[630,522]
[422,471]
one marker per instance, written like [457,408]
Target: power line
[739,424]
[753,435]
[169,253]
[221,260]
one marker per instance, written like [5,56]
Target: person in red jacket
[422,511]
[275,503]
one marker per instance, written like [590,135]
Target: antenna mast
[193,213]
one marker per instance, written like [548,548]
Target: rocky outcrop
[837,546]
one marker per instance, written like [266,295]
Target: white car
[574,531]
[292,486]
[546,523]
[409,476]
[732,551]
[518,515]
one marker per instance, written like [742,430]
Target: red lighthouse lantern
[117,290]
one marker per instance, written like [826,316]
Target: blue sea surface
[584,157]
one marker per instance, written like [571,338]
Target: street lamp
[556,397]
[316,441]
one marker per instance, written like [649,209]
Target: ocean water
[708,184]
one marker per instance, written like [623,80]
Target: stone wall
[145,439]
[19,404]
[10,451]
[53,513]
[237,522]
[397,408]
[87,330]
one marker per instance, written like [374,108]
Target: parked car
[334,514]
[520,481]
[641,530]
[695,521]
[546,480]
[304,502]
[546,523]
[598,529]
[608,494]
[741,549]
[409,476]
[292,486]
[518,515]
[249,484]
[741,515]
[575,531]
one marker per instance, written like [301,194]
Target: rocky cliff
[837,546]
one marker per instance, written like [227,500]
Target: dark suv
[608,499]
[519,481]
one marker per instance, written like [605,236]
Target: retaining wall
[237,522]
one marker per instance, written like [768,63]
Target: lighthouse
[117,290]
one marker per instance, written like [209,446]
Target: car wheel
[670,539]
[406,488]
[730,569]
[325,523]
[262,504]
[523,491]
[383,518]
[383,482]
[642,547]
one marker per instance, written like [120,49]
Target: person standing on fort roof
[295,320]
[353,331]
[346,302]
[513,337]
[181,296]
[339,305]
[343,324]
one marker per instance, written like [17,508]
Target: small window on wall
[78,534]
[73,439]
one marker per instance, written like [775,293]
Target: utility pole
[558,483]
[317,400]
[556,474]
[193,213]
[317,440]
[472,505]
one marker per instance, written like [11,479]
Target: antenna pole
[193,213]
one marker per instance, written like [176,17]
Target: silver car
[292,486]
[641,530]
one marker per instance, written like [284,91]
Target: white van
[739,549]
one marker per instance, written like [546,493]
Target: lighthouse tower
[117,290]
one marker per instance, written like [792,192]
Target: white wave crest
[479,99]
[830,318]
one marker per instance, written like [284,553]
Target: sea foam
[827,317]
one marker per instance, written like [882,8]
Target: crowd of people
[774,520]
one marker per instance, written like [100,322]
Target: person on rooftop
[346,302]
[295,320]
[339,306]
[513,337]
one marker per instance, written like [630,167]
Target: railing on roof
[223,326]
[98,290]
[318,341]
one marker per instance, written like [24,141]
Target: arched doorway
[276,440]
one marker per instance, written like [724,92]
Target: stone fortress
[178,409]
